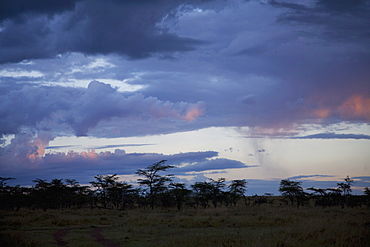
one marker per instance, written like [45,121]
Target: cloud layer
[275,64]
[52,108]
[334,136]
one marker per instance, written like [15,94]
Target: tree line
[159,190]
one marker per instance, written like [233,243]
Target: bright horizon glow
[281,158]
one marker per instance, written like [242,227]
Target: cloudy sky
[257,90]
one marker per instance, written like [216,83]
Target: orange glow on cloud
[321,113]
[193,114]
[39,153]
[356,106]
[89,154]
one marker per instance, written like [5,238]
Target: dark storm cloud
[127,28]
[334,136]
[18,9]
[293,6]
[286,72]
[52,108]
[319,54]
[342,20]
[344,5]
[29,105]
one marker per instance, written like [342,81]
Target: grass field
[264,225]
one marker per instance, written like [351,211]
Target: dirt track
[58,236]
[95,233]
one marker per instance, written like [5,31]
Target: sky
[256,90]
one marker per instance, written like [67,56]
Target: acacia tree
[153,180]
[202,193]
[103,183]
[237,190]
[40,193]
[345,186]
[367,191]
[367,196]
[293,191]
[121,194]
[180,193]
[57,192]
[6,195]
[216,187]
[3,182]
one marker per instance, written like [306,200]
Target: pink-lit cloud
[24,150]
[356,107]
[193,112]
[38,146]
[352,108]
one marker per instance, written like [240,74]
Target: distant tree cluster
[159,190]
[339,196]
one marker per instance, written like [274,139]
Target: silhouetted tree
[258,200]
[320,196]
[7,194]
[155,182]
[318,191]
[209,191]
[180,193]
[57,193]
[216,190]
[40,194]
[103,183]
[293,191]
[345,186]
[202,193]
[237,190]
[3,182]
[367,191]
[159,190]
[367,196]
[121,194]
[71,190]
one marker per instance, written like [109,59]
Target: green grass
[264,225]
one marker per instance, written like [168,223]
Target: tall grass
[264,225]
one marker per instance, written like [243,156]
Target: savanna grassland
[240,225]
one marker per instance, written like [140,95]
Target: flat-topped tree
[102,183]
[293,191]
[237,190]
[153,180]
[3,182]
[180,192]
